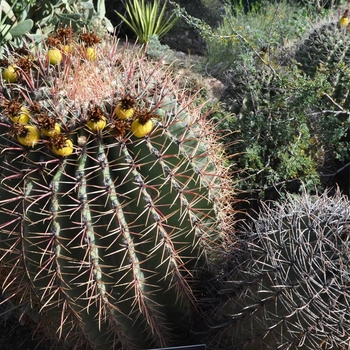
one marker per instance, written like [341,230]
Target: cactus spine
[324,46]
[287,288]
[102,231]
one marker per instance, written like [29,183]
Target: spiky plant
[324,57]
[288,287]
[273,134]
[324,45]
[107,223]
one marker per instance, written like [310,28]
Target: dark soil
[14,335]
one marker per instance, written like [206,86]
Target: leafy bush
[242,36]
[273,136]
[288,88]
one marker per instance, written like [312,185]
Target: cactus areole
[102,232]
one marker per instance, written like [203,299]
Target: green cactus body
[105,245]
[288,287]
[325,45]
[324,57]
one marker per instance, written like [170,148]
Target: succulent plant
[146,19]
[271,130]
[324,57]
[107,223]
[9,27]
[288,286]
[325,45]
[37,19]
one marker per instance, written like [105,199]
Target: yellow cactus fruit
[96,121]
[22,118]
[141,130]
[9,74]
[64,151]
[344,20]
[56,130]
[54,56]
[123,113]
[67,49]
[29,136]
[96,125]
[91,53]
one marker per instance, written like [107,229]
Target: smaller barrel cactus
[325,45]
[288,287]
[324,57]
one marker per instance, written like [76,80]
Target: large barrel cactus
[288,287]
[113,195]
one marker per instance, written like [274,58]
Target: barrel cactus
[288,287]
[324,59]
[114,195]
[272,136]
[326,44]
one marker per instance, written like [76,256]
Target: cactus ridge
[104,245]
[289,289]
[326,46]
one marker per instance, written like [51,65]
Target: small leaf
[87,5]
[69,16]
[5,32]
[22,28]
[101,8]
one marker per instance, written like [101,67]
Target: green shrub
[273,138]
[288,86]
[37,19]
[242,36]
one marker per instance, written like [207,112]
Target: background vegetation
[290,128]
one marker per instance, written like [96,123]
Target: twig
[337,172]
[335,103]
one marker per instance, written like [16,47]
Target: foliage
[288,86]
[158,51]
[107,234]
[286,288]
[203,28]
[9,28]
[145,19]
[323,100]
[273,136]
[314,5]
[39,18]
[261,32]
